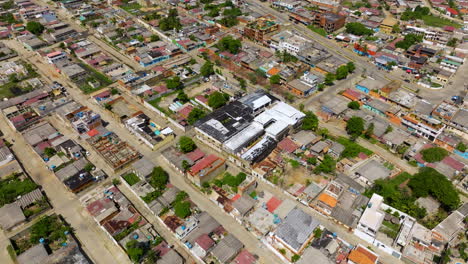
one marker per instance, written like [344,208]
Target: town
[233,131]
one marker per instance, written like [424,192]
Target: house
[243,205]
[331,21]
[362,255]
[296,231]
[206,169]
[202,246]
[453,224]
[258,29]
[387,24]
[34,255]
[304,138]
[369,171]
[372,218]
[227,249]
[11,215]
[143,167]
[245,257]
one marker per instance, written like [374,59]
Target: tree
[310,121]
[369,131]
[186,144]
[207,69]
[154,38]
[230,44]
[182,209]
[217,99]
[196,114]
[329,78]
[172,21]
[185,165]
[134,251]
[341,72]
[434,154]
[461,147]
[182,96]
[354,127]
[312,161]
[359,29]
[351,66]
[174,83]
[295,258]
[408,41]
[88,167]
[49,152]
[453,42]
[158,178]
[327,165]
[242,84]
[35,27]
[396,28]
[354,105]
[428,181]
[275,79]
[389,129]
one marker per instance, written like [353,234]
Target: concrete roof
[11,215]
[244,204]
[303,137]
[373,170]
[35,255]
[227,248]
[143,167]
[296,228]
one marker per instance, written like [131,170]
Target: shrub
[434,154]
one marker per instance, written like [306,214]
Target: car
[408,81]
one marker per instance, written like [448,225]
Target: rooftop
[296,229]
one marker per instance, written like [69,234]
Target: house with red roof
[206,169]
[245,257]
[451,12]
[202,246]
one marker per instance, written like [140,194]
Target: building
[387,25]
[296,231]
[331,22]
[304,86]
[259,29]
[227,249]
[148,131]
[369,171]
[362,255]
[372,218]
[56,56]
[206,169]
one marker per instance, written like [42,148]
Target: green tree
[310,121]
[154,38]
[461,147]
[182,96]
[396,28]
[196,114]
[49,152]
[182,209]
[35,27]
[428,181]
[327,165]
[186,144]
[159,178]
[217,99]
[389,129]
[275,79]
[170,22]
[185,165]
[341,72]
[174,83]
[329,78]
[354,127]
[369,131]
[312,160]
[354,105]
[207,69]
[351,66]
[358,29]
[230,44]
[88,167]
[134,251]
[408,41]
[295,258]
[434,154]
[242,84]
[453,42]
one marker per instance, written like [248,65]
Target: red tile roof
[195,155]
[204,163]
[273,203]
[205,242]
[287,145]
[185,111]
[236,197]
[93,132]
[362,255]
[452,11]
[455,164]
[245,257]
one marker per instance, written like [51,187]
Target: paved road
[94,241]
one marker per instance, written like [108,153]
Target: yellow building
[387,25]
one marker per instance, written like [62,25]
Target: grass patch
[352,149]
[12,187]
[434,21]
[12,253]
[131,178]
[318,30]
[253,194]
[93,75]
[131,7]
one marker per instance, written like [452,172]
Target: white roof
[245,135]
[372,216]
[260,102]
[276,128]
